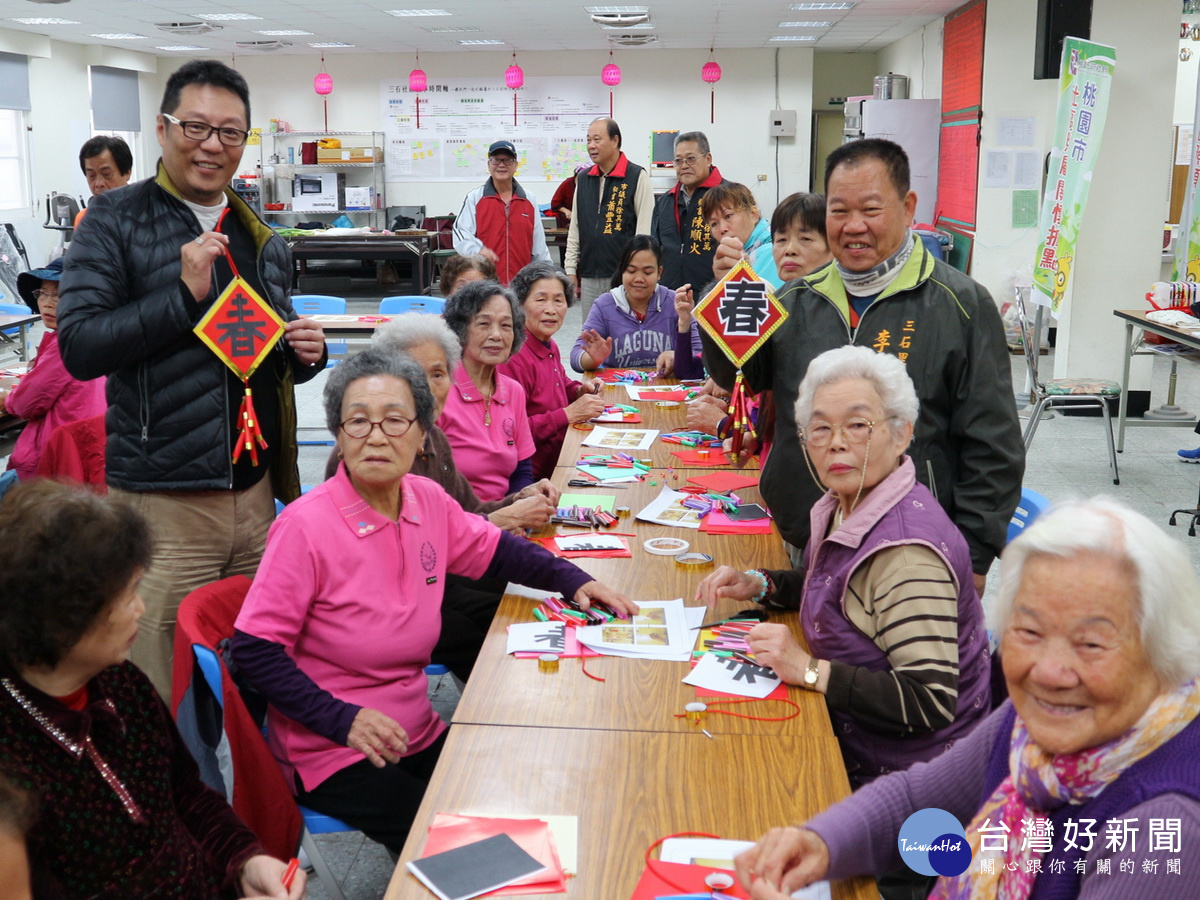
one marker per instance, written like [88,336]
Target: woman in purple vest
[1086,784]
[887,600]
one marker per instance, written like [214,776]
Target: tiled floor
[1068,459]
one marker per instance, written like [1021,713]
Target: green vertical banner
[1083,90]
[1187,243]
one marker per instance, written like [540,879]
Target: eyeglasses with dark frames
[361,426]
[201,131]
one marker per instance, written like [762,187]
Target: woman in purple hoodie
[640,322]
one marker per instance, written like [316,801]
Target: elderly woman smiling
[1100,644]
[121,809]
[484,417]
[888,605]
[553,401]
[338,626]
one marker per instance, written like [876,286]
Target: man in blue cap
[500,220]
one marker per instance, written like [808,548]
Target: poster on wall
[461,117]
[1186,266]
[962,94]
[1084,86]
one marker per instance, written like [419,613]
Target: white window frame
[20,124]
[134,140]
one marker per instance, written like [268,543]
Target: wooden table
[628,789]
[1136,319]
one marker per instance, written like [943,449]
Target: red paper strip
[724,481]
[692,458]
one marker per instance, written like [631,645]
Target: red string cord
[583,666]
[658,873]
[724,712]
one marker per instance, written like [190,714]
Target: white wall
[61,121]
[660,89]
[919,56]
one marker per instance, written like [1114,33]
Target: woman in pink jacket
[46,396]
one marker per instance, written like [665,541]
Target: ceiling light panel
[181,47]
[120,36]
[615,10]
[45,21]
[329,45]
[284,33]
[478,42]
[840,4]
[227,17]
[799,25]
[453,29]
[404,13]
[794,37]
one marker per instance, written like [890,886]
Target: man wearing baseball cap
[500,220]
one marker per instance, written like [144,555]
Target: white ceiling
[520,24]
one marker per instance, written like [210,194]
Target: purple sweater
[861,831]
[639,343]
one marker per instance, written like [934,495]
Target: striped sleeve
[904,599]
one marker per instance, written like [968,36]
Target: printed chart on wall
[461,117]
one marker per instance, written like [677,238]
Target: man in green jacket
[886,291]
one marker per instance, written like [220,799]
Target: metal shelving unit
[278,176]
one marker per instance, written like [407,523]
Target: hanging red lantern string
[611,75]
[711,73]
[514,78]
[417,84]
[323,85]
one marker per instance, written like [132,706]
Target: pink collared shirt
[488,439]
[538,368]
[355,599]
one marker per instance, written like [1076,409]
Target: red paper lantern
[711,72]
[611,74]
[417,82]
[514,77]
[323,84]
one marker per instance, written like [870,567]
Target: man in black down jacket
[147,262]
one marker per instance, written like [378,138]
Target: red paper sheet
[548,543]
[692,459]
[719,523]
[682,879]
[724,481]
[532,835]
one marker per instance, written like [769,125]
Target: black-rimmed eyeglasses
[361,426]
[201,131]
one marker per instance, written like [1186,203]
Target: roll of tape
[666,404]
[623,512]
[693,560]
[583,426]
[696,712]
[548,662]
[665,546]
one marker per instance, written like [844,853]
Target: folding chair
[390,306]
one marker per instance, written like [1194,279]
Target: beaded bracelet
[762,591]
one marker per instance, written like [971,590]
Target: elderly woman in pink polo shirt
[346,607]
[485,416]
[552,400]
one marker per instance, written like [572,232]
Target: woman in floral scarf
[1087,782]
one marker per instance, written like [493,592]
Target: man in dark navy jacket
[680,222]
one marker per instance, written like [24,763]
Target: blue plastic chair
[318,305]
[390,306]
[1031,506]
[322,305]
[209,665]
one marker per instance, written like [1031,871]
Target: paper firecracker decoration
[611,76]
[740,314]
[514,78]
[417,84]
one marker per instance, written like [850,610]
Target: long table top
[628,789]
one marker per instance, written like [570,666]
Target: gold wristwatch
[812,673]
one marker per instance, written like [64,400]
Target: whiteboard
[461,117]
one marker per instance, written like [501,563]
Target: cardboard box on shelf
[349,155]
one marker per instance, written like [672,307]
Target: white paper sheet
[665,509]
[536,637]
[1027,170]
[728,675]
[658,631]
[627,439]
[589,541]
[719,855]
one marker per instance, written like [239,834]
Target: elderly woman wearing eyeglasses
[345,610]
[895,629]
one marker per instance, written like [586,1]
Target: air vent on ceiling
[188,27]
[620,20]
[634,40]
[263,45]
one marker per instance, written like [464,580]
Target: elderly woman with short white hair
[1100,644]
[894,627]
